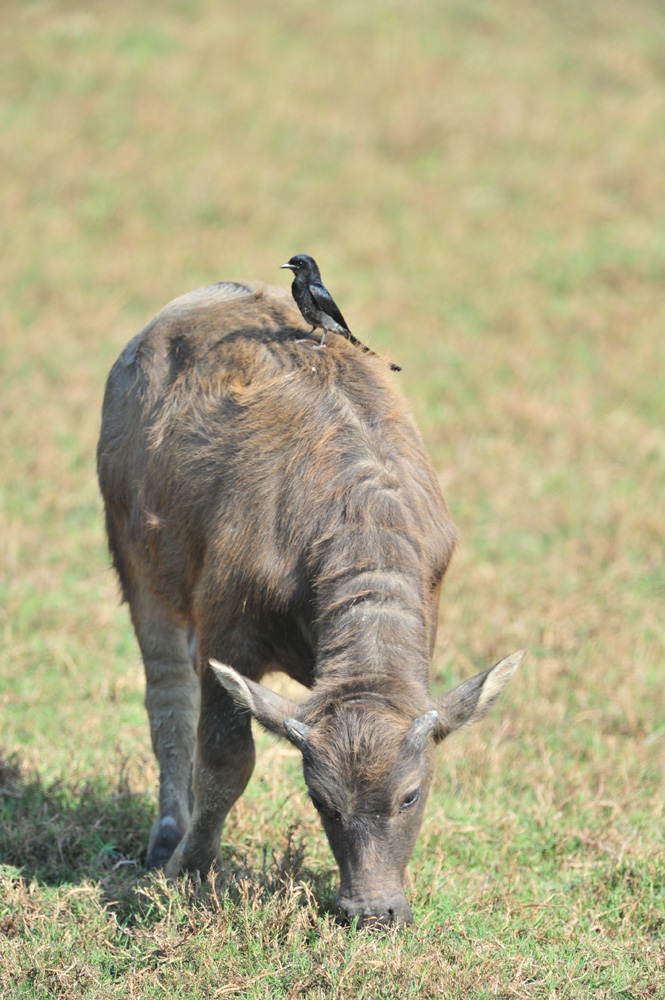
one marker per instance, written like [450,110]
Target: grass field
[483,184]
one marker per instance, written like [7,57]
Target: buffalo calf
[276,503]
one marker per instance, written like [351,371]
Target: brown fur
[276,501]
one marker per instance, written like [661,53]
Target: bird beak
[290,267]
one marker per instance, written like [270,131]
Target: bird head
[302,264]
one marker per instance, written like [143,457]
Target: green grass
[482,184]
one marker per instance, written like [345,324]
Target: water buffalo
[276,502]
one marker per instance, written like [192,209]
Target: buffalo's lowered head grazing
[368,765]
[278,504]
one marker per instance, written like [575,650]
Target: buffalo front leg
[224,763]
[172,701]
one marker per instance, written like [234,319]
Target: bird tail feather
[368,350]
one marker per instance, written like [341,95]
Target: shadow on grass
[57,834]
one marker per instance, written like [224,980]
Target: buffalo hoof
[164,838]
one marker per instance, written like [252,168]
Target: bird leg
[317,347]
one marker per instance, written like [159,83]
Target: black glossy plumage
[317,304]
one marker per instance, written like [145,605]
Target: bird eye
[410,799]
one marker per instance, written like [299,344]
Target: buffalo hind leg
[224,763]
[172,700]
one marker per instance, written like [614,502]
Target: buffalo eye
[410,799]
[333,814]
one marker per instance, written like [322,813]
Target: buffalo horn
[297,732]
[421,729]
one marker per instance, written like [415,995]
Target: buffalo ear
[269,709]
[471,700]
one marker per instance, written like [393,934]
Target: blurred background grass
[483,185]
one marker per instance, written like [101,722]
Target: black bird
[317,304]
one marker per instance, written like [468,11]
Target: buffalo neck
[370,609]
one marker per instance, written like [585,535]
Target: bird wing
[326,303]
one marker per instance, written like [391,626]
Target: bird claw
[308,340]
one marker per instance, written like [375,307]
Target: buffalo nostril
[372,917]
